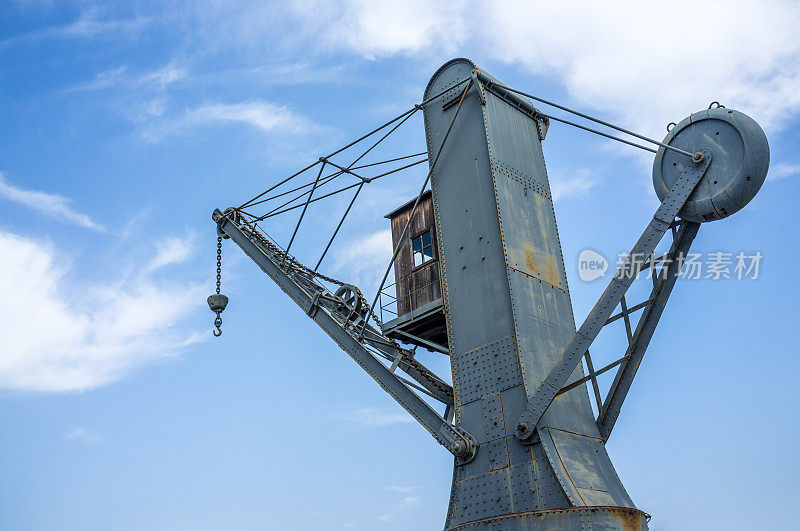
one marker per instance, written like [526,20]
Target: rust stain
[547,271]
[629,520]
[530,258]
[551,275]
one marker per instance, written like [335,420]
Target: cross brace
[662,221]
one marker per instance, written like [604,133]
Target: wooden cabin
[416,271]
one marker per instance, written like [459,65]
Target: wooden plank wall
[415,286]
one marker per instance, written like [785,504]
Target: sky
[124,124]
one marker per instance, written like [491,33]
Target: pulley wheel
[740,159]
[350,299]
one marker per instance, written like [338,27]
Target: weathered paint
[509,317]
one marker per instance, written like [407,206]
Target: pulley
[351,302]
[741,160]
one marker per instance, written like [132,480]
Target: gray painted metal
[529,453]
[560,372]
[509,317]
[323,307]
[645,328]
[741,160]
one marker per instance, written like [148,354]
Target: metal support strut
[347,327]
[612,296]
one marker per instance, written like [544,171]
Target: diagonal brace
[612,296]
[644,329]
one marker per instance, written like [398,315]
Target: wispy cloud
[122,77]
[264,116]
[52,205]
[364,257]
[90,23]
[259,114]
[171,250]
[58,339]
[571,184]
[79,433]
[406,504]
[781,171]
[371,417]
[401,490]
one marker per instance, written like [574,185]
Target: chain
[219,262]
[294,264]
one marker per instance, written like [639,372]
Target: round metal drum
[740,159]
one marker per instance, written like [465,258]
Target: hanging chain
[217,302]
[219,262]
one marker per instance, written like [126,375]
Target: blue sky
[124,124]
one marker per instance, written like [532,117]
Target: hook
[218,324]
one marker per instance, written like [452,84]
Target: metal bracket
[612,296]
[312,309]
[479,87]
[430,344]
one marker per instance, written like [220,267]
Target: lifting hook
[217,301]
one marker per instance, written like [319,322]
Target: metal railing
[389,302]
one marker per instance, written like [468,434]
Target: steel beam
[460,443]
[597,318]
[644,329]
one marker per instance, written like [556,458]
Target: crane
[529,452]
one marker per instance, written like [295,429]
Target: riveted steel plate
[487,369]
[498,453]
[585,483]
[483,495]
[494,427]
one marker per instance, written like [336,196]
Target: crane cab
[415,306]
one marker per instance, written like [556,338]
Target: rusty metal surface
[574,519]
[505,296]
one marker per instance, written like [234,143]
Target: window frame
[432,246]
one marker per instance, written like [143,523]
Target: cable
[489,83]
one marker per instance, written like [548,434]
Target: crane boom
[344,324]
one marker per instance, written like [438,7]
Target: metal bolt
[698,157]
[522,427]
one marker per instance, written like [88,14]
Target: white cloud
[277,120]
[782,171]
[637,62]
[647,65]
[53,205]
[364,258]
[259,114]
[90,23]
[578,183]
[406,504]
[376,418]
[401,490]
[376,29]
[60,339]
[79,433]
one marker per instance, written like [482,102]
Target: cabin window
[422,247]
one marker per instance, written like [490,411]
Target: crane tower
[529,451]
